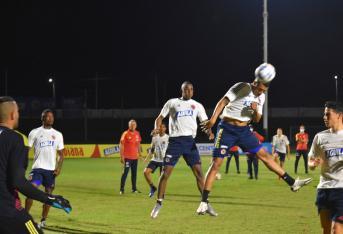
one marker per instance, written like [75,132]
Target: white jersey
[45,143]
[182,116]
[241,97]
[328,146]
[160,144]
[280,143]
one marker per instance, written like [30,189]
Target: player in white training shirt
[48,158]
[281,146]
[158,150]
[242,104]
[183,113]
[327,151]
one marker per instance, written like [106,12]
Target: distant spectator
[302,140]
[233,152]
[252,160]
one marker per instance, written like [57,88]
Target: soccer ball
[218,176]
[265,73]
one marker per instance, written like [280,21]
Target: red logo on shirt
[53,137]
[193,107]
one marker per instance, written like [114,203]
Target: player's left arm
[60,157]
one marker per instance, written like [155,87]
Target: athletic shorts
[229,135]
[21,223]
[42,177]
[183,145]
[282,156]
[332,200]
[153,165]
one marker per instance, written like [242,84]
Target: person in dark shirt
[13,163]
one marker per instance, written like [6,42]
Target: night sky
[136,45]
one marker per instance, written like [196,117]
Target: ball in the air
[265,73]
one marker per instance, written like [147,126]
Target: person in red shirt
[233,152]
[130,151]
[252,160]
[302,140]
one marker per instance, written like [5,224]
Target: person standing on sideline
[130,151]
[233,152]
[13,164]
[281,146]
[183,113]
[48,148]
[252,160]
[242,104]
[302,140]
[327,151]
[158,149]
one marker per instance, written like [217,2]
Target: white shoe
[210,210]
[155,211]
[203,207]
[42,224]
[298,184]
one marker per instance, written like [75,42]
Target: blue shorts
[42,177]
[153,165]
[229,135]
[183,145]
[332,200]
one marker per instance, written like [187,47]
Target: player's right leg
[171,158]
[36,179]
[147,175]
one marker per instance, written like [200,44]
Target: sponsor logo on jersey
[184,113]
[334,152]
[46,144]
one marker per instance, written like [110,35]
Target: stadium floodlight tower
[52,81]
[265,60]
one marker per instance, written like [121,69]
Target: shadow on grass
[59,229]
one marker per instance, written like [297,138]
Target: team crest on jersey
[53,137]
[193,107]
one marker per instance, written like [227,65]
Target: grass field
[244,206]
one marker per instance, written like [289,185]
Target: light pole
[336,82]
[52,81]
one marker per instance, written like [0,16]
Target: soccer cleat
[121,192]
[203,207]
[210,210]
[136,191]
[152,191]
[42,224]
[300,183]
[155,211]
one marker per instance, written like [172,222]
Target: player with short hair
[13,164]
[183,113]
[157,151]
[130,151]
[242,104]
[48,148]
[281,146]
[327,151]
[302,140]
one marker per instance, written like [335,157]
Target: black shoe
[250,178]
[121,192]
[136,191]
[238,172]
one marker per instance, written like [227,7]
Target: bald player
[13,163]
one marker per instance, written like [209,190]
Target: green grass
[244,206]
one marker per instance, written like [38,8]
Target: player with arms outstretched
[13,164]
[241,104]
[183,113]
[157,151]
